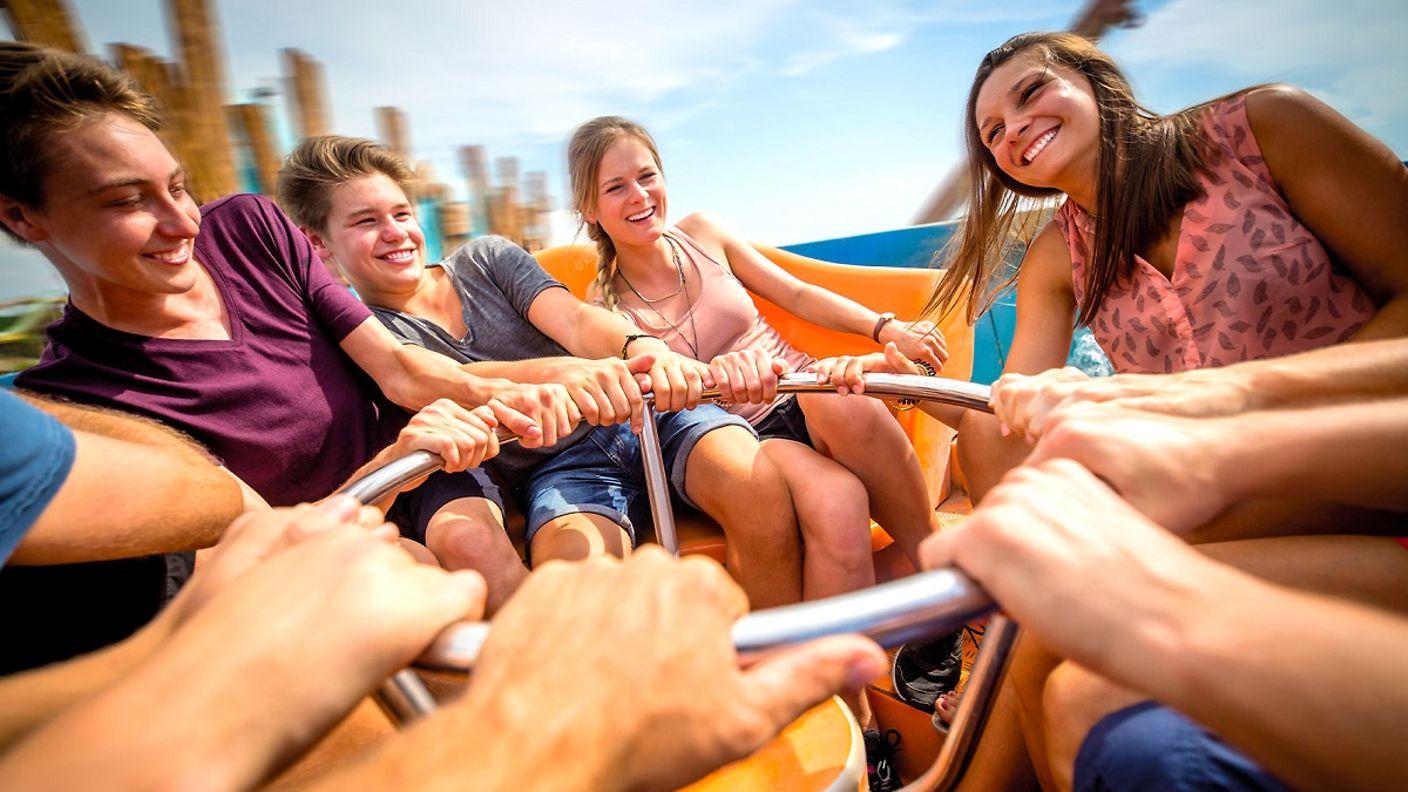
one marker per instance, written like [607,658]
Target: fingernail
[343,507]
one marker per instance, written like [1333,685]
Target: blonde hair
[43,92]
[320,164]
[584,153]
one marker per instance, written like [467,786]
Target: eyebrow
[1015,86]
[371,211]
[133,181]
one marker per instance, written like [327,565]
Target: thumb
[898,361]
[640,364]
[780,366]
[784,685]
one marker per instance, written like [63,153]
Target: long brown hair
[1147,169]
[584,153]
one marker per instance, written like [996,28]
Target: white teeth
[642,215]
[399,256]
[1037,145]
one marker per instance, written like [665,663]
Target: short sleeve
[518,275]
[35,459]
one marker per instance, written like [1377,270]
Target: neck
[197,313]
[643,263]
[434,297]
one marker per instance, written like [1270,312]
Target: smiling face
[1041,124]
[373,238]
[630,194]
[116,219]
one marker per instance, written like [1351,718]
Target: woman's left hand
[845,372]
[918,341]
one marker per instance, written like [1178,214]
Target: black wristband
[627,344]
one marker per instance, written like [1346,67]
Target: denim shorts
[605,474]
[412,510]
[786,422]
[1151,747]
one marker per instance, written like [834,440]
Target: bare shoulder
[704,229]
[1047,263]
[1290,124]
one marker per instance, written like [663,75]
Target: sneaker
[925,670]
[880,760]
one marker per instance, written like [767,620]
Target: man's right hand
[539,415]
[606,391]
[649,696]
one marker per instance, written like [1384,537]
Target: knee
[835,514]
[462,542]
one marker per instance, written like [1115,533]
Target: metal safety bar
[928,603]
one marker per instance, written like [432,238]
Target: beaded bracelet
[928,369]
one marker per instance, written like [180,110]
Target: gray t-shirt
[497,281]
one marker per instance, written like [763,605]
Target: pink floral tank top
[720,318]
[1249,280]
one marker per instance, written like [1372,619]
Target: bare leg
[468,533]
[984,454]
[1367,569]
[834,514]
[862,435]
[573,537]
[1000,761]
[1076,700]
[731,479]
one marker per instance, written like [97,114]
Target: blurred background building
[230,146]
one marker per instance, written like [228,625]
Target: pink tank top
[1249,280]
[721,318]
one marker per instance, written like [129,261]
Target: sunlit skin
[631,201]
[1042,125]
[373,236]
[116,221]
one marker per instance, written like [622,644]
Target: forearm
[1254,663]
[487,743]
[189,717]
[835,312]
[124,426]
[533,370]
[421,376]
[1344,453]
[1345,372]
[31,698]
[155,500]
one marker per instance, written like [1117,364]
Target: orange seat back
[902,290]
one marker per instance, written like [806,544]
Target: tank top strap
[674,232]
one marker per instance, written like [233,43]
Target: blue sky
[790,120]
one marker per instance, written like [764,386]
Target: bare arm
[632,726]
[135,488]
[1182,472]
[263,668]
[1131,602]
[414,377]
[1347,187]
[811,302]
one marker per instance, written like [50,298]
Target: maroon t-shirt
[280,403]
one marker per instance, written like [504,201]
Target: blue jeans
[604,473]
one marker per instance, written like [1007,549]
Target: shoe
[880,760]
[925,670]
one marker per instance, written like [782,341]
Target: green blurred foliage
[22,324]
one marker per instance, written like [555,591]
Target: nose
[178,218]
[638,191]
[391,231]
